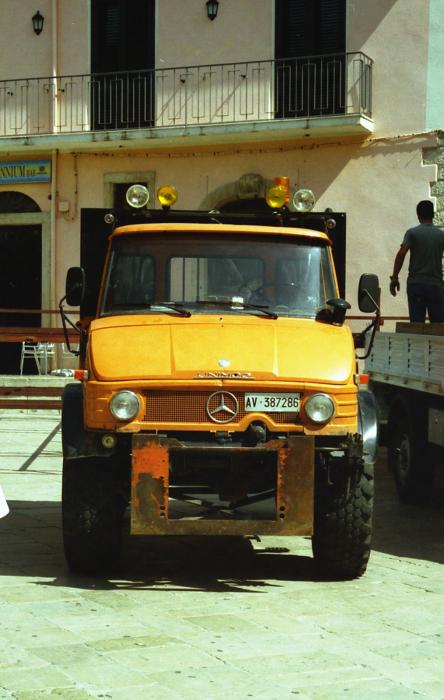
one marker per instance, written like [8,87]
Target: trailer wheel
[408,454]
[93,509]
[343,522]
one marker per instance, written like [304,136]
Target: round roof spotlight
[167,196]
[330,223]
[137,196]
[109,218]
[304,200]
[276,197]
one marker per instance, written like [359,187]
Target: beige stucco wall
[242,31]
[392,32]
[62,51]
[378,184]
[21,42]
[395,34]
[73,37]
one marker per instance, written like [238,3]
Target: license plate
[272,403]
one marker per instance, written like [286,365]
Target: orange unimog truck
[218,390]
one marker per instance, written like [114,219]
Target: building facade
[342,96]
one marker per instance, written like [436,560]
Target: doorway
[21,254]
[122,63]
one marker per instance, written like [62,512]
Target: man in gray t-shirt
[425,289]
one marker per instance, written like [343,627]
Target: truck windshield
[196,272]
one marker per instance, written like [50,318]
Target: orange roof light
[167,196]
[279,194]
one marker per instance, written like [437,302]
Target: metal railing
[228,93]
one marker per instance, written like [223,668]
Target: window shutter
[330,26]
[309,27]
[107,32]
[294,25]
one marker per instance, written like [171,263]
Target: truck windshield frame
[286,275]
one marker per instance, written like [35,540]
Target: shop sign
[25,171]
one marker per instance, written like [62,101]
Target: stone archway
[250,186]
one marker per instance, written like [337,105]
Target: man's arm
[397,265]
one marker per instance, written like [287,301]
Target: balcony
[255,100]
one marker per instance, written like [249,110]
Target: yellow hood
[164,347]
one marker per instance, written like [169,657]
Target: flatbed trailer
[406,375]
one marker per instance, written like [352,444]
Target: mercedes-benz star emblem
[222,407]
[224,362]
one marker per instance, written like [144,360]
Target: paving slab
[188,617]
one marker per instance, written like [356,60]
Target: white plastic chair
[39,352]
[65,354]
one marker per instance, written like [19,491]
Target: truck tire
[93,509]
[73,434]
[341,540]
[408,453]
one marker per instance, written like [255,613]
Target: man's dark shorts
[425,298]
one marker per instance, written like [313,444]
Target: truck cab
[218,393]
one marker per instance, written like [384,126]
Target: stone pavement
[188,619]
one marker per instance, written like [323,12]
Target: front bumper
[230,496]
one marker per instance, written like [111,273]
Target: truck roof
[222,229]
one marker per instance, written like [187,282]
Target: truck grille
[190,407]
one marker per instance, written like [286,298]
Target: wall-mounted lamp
[212,8]
[37,22]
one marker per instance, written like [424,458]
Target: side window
[131,282]
[298,280]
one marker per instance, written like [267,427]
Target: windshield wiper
[237,303]
[162,306]
[174,306]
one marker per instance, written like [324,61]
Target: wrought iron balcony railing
[229,93]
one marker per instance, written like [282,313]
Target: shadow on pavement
[31,545]
[34,548]
[402,530]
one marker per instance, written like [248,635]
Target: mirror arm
[377,308]
[65,319]
[374,325]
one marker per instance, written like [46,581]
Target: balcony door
[122,62]
[310,58]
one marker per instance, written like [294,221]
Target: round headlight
[137,196]
[304,201]
[124,405]
[319,408]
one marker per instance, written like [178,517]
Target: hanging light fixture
[37,22]
[212,8]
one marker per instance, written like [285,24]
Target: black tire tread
[407,422]
[92,515]
[343,527]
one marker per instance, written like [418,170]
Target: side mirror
[368,293]
[75,286]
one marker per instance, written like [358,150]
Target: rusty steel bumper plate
[150,498]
